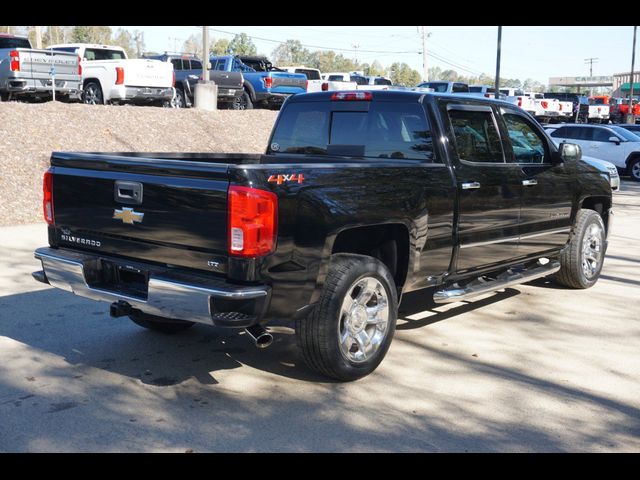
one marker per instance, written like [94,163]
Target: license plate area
[119,278]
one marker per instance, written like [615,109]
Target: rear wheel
[634,169]
[92,94]
[349,331]
[160,324]
[581,261]
[177,101]
[243,102]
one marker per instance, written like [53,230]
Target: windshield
[626,134]
[387,130]
[439,87]
[8,42]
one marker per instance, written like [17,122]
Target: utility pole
[38,37]
[591,61]
[630,116]
[355,52]
[206,91]
[425,69]
[497,94]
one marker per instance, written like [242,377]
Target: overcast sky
[527,52]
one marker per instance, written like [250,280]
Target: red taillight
[347,96]
[14,55]
[306,85]
[268,82]
[119,75]
[487,95]
[325,87]
[520,101]
[544,104]
[253,219]
[47,197]
[79,66]
[173,82]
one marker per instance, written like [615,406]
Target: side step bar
[504,280]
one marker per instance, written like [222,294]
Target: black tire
[572,260]
[633,170]
[178,101]
[92,94]
[243,102]
[160,324]
[319,334]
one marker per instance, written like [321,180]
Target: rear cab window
[388,130]
[8,42]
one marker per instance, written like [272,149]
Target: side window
[602,135]
[476,136]
[527,143]
[196,65]
[583,133]
[561,132]
[460,87]
[221,65]
[177,64]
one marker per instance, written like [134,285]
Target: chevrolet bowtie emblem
[128,215]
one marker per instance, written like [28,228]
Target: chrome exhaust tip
[261,338]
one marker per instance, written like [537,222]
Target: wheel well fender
[601,205]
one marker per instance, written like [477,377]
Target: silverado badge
[128,215]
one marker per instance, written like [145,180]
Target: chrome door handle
[527,183]
[470,185]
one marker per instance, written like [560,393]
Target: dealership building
[622,84]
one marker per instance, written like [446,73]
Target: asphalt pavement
[535,368]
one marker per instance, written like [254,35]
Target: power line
[591,61]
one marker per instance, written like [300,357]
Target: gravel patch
[30,132]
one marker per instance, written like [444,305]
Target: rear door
[489,188]
[547,187]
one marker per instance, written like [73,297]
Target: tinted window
[601,135]
[61,49]
[476,136]
[382,81]
[527,143]
[475,89]
[460,87]
[574,133]
[310,74]
[359,80]
[335,78]
[387,130]
[103,54]
[8,42]
[177,64]
[196,65]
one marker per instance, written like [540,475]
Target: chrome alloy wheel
[635,171]
[592,244]
[92,95]
[364,317]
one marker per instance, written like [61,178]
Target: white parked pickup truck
[108,76]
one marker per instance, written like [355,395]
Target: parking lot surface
[535,368]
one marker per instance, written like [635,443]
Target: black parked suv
[188,70]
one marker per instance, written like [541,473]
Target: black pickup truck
[360,197]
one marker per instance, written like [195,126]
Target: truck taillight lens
[520,101]
[325,87]
[306,85]
[544,104]
[173,82]
[268,82]
[79,66]
[14,55]
[253,218]
[350,96]
[47,197]
[119,76]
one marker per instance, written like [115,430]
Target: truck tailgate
[147,73]
[288,82]
[39,62]
[176,213]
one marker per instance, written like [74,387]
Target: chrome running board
[504,280]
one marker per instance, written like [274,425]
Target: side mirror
[570,152]
[615,140]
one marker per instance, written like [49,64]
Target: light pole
[630,116]
[497,94]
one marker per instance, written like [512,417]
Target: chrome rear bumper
[169,294]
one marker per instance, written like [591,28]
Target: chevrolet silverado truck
[359,198]
[108,76]
[188,72]
[264,84]
[27,72]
